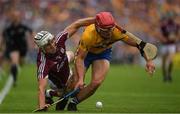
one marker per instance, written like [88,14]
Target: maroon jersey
[170,30]
[56,65]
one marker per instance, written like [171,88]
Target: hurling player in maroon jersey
[52,61]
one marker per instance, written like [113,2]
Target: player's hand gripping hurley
[66,96]
[148,49]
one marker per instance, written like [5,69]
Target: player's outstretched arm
[150,67]
[79,67]
[147,50]
[41,93]
[72,28]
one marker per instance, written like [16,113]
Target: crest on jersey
[62,50]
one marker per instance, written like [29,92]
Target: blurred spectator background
[141,17]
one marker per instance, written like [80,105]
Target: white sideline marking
[6,88]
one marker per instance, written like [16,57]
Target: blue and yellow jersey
[92,42]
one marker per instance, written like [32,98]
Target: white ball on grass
[99,104]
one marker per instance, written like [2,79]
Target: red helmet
[105,20]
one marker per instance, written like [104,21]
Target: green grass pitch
[126,89]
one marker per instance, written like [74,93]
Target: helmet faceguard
[42,38]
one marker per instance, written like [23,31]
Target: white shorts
[171,49]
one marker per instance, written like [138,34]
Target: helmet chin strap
[43,50]
[97,28]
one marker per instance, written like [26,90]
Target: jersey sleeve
[62,37]
[42,66]
[119,35]
[85,41]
